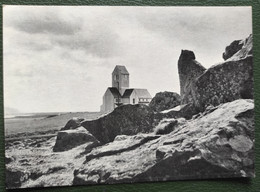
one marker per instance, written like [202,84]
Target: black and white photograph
[127,94]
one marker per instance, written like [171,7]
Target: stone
[161,152]
[230,50]
[8,159]
[221,83]
[239,49]
[73,123]
[165,126]
[14,178]
[124,120]
[165,100]
[241,143]
[189,69]
[69,139]
[217,144]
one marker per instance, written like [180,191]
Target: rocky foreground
[210,134]
[215,144]
[218,143]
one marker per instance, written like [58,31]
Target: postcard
[125,94]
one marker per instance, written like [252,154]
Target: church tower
[120,78]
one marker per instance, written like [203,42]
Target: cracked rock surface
[218,143]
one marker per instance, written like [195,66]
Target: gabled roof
[127,93]
[121,69]
[142,93]
[114,91]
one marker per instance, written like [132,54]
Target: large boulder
[224,82]
[73,123]
[165,100]
[219,143]
[234,47]
[239,49]
[124,120]
[69,139]
[189,69]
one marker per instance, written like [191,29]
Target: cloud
[183,22]
[48,24]
[205,30]
[100,42]
[45,27]
[38,20]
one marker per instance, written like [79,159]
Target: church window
[133,101]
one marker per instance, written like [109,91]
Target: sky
[60,58]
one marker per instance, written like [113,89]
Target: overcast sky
[60,58]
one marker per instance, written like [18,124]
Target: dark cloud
[47,25]
[195,24]
[101,42]
[47,21]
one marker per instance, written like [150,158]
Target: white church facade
[121,94]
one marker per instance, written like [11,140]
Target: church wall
[126,100]
[108,101]
[133,97]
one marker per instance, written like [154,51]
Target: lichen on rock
[221,83]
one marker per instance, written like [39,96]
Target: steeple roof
[121,69]
[115,92]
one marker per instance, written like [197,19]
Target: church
[121,94]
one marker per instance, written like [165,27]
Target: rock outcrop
[225,82]
[239,49]
[234,47]
[165,100]
[216,143]
[124,120]
[69,139]
[73,123]
[189,69]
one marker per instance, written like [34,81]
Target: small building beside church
[121,94]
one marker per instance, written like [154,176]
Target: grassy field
[42,124]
